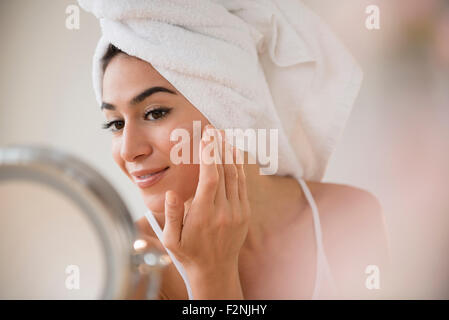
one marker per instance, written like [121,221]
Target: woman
[270,245]
[232,232]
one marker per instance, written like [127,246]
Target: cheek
[184,175]
[188,142]
[184,180]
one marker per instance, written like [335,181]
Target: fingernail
[171,199]
[229,153]
[239,156]
[207,132]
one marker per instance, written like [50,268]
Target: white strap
[322,268]
[157,229]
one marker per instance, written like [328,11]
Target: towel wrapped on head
[268,64]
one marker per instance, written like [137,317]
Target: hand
[216,224]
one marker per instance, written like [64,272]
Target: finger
[174,214]
[208,177]
[239,159]
[220,195]
[230,171]
[245,209]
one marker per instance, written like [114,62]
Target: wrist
[211,271]
[220,282]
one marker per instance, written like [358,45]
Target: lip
[147,182]
[146,171]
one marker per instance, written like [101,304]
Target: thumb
[174,215]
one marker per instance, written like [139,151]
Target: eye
[113,124]
[157,113]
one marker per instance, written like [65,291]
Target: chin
[155,203]
[154,197]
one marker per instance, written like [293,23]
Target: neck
[276,201]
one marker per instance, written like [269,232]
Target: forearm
[216,284]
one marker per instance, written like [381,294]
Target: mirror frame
[102,205]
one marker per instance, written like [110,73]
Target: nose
[134,143]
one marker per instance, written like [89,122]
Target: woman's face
[140,138]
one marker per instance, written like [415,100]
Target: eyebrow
[140,97]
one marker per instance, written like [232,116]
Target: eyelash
[107,125]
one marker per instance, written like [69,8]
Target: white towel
[243,64]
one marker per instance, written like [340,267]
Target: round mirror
[65,233]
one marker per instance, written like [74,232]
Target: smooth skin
[244,235]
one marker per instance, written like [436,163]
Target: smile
[150,179]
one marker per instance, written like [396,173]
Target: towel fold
[269,64]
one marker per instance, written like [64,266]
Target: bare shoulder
[344,193]
[354,234]
[351,205]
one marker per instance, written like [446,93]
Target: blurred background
[395,145]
